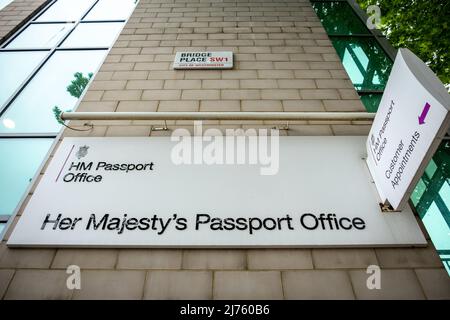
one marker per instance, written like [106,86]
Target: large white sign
[203,60]
[411,120]
[127,192]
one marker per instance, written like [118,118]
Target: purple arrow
[424,113]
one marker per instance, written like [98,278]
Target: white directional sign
[127,192]
[412,118]
[203,60]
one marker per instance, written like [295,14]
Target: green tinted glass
[371,101]
[338,18]
[19,160]
[431,198]
[365,62]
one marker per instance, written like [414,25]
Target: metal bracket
[164,128]
[386,207]
[286,127]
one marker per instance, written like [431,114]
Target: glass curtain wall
[431,198]
[368,65]
[65,41]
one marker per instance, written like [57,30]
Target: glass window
[111,10]
[431,198]
[93,35]
[31,111]
[339,18]
[365,62]
[418,192]
[66,10]
[2,226]
[439,231]
[4,3]
[15,67]
[371,101]
[20,158]
[437,227]
[431,169]
[40,35]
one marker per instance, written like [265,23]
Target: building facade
[292,55]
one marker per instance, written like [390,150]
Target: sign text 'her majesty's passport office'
[129,192]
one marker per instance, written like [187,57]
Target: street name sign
[128,192]
[412,119]
[203,60]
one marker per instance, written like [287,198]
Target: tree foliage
[421,26]
[78,85]
[57,113]
[75,88]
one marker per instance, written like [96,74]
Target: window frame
[375,34]
[7,220]
[51,50]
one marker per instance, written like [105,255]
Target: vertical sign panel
[411,120]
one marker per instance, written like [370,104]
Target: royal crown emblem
[82,152]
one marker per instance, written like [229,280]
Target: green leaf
[421,26]
[57,112]
[78,85]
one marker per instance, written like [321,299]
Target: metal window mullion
[74,21]
[103,21]
[367,92]
[52,22]
[328,0]
[82,48]
[24,49]
[354,35]
[47,135]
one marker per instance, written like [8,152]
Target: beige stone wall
[13,15]
[283,62]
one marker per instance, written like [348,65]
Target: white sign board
[203,60]
[411,120]
[126,192]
